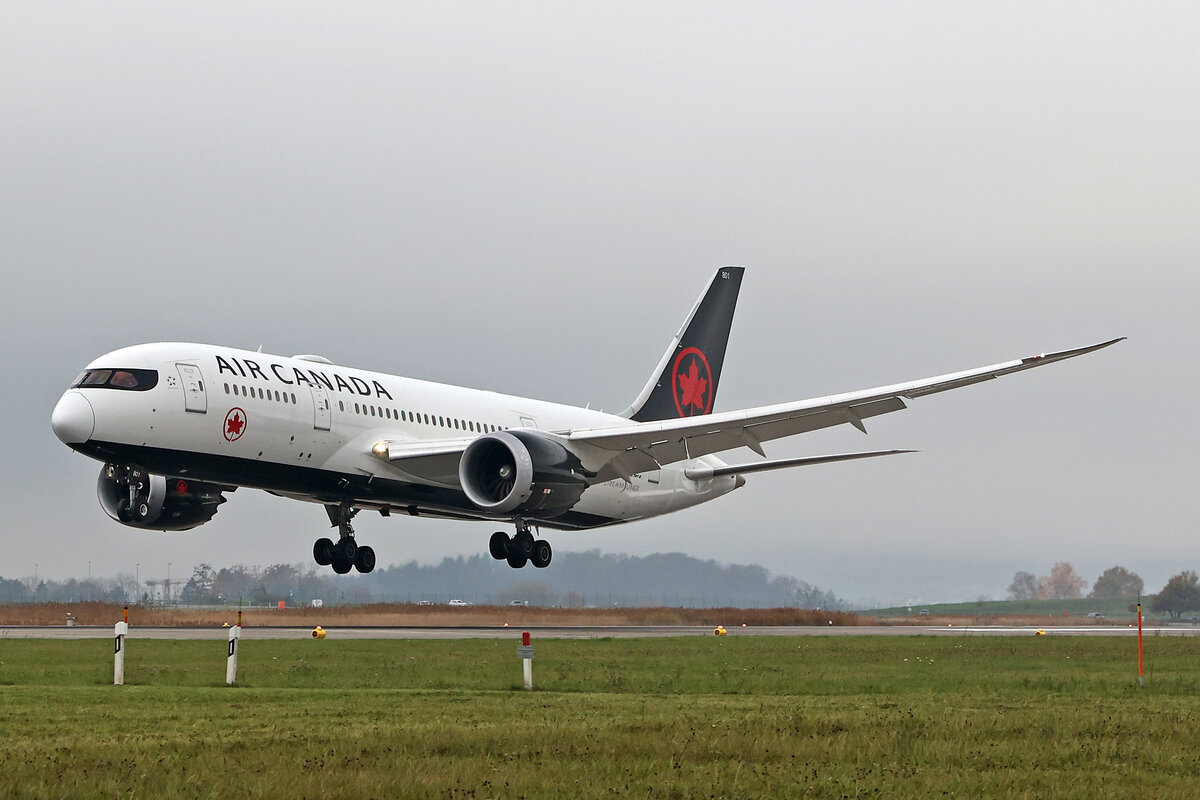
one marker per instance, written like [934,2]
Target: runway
[583,632]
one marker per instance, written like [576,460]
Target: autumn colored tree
[1117,582]
[1061,584]
[1024,586]
[1182,593]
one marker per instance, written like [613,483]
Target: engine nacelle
[520,472]
[134,497]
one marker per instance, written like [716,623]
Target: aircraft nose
[73,419]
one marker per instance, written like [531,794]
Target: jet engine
[134,497]
[520,472]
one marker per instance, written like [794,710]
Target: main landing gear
[347,553]
[520,549]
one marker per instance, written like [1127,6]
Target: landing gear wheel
[348,548]
[323,552]
[522,543]
[341,564]
[364,560]
[517,560]
[542,553]
[498,545]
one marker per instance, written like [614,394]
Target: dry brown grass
[410,615]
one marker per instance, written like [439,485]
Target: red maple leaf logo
[692,387]
[235,424]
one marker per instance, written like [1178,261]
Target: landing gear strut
[346,554]
[520,549]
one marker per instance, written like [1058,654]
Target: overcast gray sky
[528,197]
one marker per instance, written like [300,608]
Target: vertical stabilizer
[684,383]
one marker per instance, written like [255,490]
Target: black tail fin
[685,382]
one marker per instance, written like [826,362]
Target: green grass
[1118,610]
[698,717]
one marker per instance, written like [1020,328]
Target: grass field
[409,614]
[1116,610]
[697,717]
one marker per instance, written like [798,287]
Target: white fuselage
[305,428]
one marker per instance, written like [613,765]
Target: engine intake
[134,497]
[520,472]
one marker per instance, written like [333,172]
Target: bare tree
[1024,586]
[1117,582]
[1061,584]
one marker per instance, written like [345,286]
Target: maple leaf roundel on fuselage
[691,383]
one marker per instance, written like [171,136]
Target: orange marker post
[1141,679]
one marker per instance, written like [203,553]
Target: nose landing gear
[520,549]
[346,554]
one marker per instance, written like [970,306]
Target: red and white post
[525,651]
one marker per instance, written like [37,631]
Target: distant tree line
[594,578]
[575,580]
[1180,595]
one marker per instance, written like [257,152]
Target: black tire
[498,545]
[522,543]
[123,512]
[516,560]
[348,548]
[341,564]
[364,560]
[542,554]
[323,552]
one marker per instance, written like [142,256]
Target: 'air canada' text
[294,376]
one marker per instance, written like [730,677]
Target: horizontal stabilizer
[702,473]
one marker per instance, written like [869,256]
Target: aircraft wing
[434,462]
[638,447]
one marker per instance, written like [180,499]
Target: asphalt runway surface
[583,632]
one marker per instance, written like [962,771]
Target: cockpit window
[137,380]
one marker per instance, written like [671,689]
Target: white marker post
[235,635]
[120,631]
[525,651]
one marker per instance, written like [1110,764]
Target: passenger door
[194,398]
[321,410]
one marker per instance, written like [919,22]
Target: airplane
[177,426]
